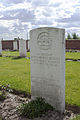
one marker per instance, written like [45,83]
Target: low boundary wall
[70,44]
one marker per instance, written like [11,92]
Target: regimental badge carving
[43,41]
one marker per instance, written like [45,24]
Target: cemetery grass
[10,53]
[69,55]
[13,53]
[72,55]
[17,74]
[73,82]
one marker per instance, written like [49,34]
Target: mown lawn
[17,74]
[68,55]
[16,53]
[9,53]
[73,55]
[73,82]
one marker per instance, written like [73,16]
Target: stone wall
[70,44]
[8,44]
[73,44]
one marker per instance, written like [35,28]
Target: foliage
[0,55]
[3,90]
[72,36]
[75,36]
[35,108]
[17,38]
[2,95]
[6,88]
[69,36]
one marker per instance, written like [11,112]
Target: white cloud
[19,16]
[17,6]
[1,16]
[9,23]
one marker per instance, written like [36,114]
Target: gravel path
[8,110]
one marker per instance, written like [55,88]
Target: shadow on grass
[17,58]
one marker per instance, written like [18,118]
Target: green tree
[68,36]
[75,36]
[17,38]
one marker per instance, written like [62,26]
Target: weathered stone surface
[22,48]
[15,46]
[47,50]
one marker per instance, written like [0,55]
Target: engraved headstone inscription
[22,48]
[0,48]
[47,57]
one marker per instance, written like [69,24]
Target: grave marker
[47,57]
[15,46]
[22,47]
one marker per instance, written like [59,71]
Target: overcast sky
[17,17]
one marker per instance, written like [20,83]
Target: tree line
[72,36]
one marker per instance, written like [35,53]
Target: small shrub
[3,90]
[0,55]
[6,88]
[35,108]
[2,95]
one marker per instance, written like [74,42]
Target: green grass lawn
[73,82]
[17,74]
[9,53]
[16,53]
[69,55]
[77,118]
[73,55]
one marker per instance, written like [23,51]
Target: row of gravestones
[47,58]
[22,47]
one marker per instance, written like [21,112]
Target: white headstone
[47,57]
[15,46]
[22,48]
[0,48]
